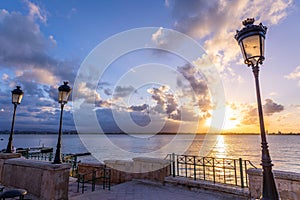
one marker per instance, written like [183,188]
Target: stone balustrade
[288,184]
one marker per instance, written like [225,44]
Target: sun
[231,119]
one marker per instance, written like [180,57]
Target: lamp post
[17,95]
[252,42]
[64,92]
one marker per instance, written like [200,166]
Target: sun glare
[231,120]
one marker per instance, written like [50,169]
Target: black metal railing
[100,176]
[48,156]
[217,170]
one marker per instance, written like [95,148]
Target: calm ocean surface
[284,149]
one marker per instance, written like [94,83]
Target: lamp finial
[248,21]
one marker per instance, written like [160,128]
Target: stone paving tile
[141,190]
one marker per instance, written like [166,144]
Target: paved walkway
[142,190]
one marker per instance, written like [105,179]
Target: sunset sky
[43,43]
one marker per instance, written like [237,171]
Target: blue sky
[43,43]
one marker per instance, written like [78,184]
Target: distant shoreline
[120,133]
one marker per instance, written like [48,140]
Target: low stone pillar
[3,158]
[154,169]
[45,180]
[121,170]
[288,184]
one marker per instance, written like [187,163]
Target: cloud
[5,77]
[198,86]
[36,12]
[22,43]
[166,102]
[24,47]
[250,112]
[139,108]
[190,100]
[270,107]
[294,75]
[107,91]
[159,38]
[40,75]
[89,95]
[123,91]
[216,21]
[53,41]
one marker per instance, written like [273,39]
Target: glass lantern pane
[252,47]
[262,46]
[15,98]
[63,96]
[20,98]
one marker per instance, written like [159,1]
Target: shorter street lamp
[17,95]
[64,92]
[252,42]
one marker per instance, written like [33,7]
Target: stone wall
[125,170]
[44,180]
[288,184]
[88,168]
[3,158]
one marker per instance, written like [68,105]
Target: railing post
[235,178]
[241,172]
[203,163]
[224,169]
[173,164]
[78,182]
[50,156]
[82,184]
[245,165]
[214,173]
[177,165]
[185,166]
[195,168]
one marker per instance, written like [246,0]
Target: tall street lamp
[17,95]
[252,42]
[64,92]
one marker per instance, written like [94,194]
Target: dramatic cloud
[216,21]
[295,75]
[165,102]
[24,48]
[22,43]
[190,100]
[159,96]
[198,86]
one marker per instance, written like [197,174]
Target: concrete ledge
[9,155]
[151,160]
[232,191]
[44,165]
[292,176]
